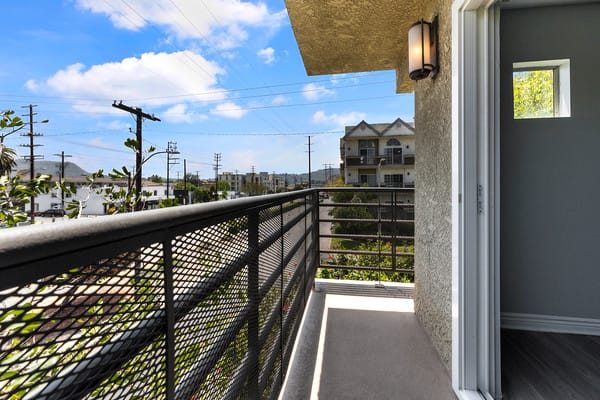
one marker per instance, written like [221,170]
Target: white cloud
[208,20]
[268,55]
[179,113]
[115,126]
[313,91]
[351,118]
[32,85]
[154,79]
[279,100]
[229,110]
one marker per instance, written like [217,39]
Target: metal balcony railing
[192,302]
[369,229]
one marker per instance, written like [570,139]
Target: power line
[212,92]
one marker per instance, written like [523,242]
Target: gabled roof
[408,129]
[353,130]
[378,130]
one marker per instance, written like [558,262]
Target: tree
[223,186]
[14,195]
[533,93]
[9,124]
[155,178]
[7,160]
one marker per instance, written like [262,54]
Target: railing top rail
[34,246]
[366,189]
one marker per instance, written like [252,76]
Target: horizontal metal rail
[366,237]
[370,230]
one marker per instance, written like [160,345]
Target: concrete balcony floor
[359,341]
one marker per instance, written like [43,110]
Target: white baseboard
[551,323]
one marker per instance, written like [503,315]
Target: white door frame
[475,200]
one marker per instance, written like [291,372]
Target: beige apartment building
[379,154]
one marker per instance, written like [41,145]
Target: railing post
[254,301]
[316,227]
[281,288]
[379,240]
[394,231]
[170,316]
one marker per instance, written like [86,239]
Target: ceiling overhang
[344,36]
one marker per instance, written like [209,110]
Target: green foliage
[368,260]
[170,202]
[155,178]
[200,195]
[533,94]
[14,195]
[224,186]
[358,212]
[7,159]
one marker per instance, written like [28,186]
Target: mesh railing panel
[167,318]
[69,321]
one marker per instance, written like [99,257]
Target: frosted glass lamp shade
[422,49]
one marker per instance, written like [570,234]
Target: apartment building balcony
[202,301]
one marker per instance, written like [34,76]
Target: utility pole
[253,186]
[62,156]
[309,173]
[139,116]
[171,149]
[217,159]
[32,156]
[186,198]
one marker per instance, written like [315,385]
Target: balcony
[354,161]
[192,302]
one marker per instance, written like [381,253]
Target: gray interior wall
[550,170]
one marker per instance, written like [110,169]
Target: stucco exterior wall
[433,231]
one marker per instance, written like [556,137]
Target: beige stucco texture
[433,207]
[341,36]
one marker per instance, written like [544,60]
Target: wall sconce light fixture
[422,49]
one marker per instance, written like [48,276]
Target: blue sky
[224,76]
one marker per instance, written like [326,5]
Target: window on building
[541,89]
[368,179]
[367,149]
[156,192]
[393,180]
[393,152]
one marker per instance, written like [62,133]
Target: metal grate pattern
[194,302]
[71,321]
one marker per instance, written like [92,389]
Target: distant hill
[48,168]
[319,176]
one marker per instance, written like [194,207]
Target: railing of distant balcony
[192,302]
[368,229]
